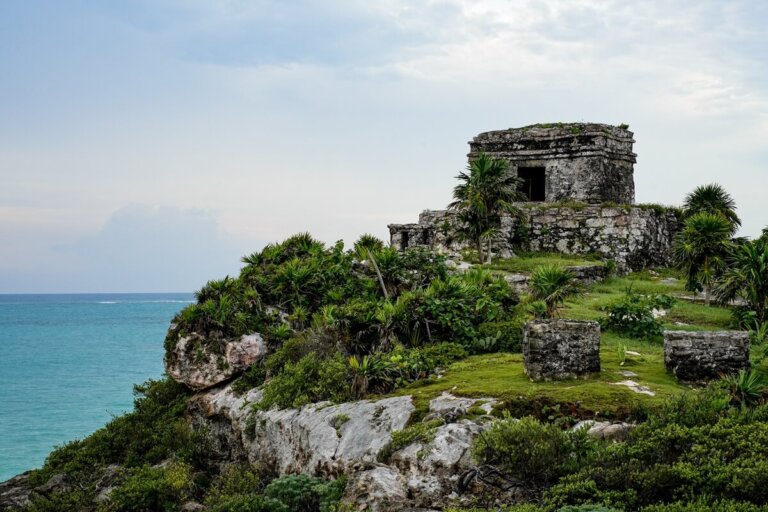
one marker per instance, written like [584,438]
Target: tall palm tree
[552,285]
[713,199]
[701,250]
[747,277]
[486,191]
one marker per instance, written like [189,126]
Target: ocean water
[68,364]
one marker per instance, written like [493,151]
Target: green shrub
[633,315]
[704,504]
[587,508]
[235,481]
[422,432]
[148,488]
[307,381]
[552,285]
[508,334]
[707,449]
[253,377]
[250,503]
[76,499]
[302,493]
[534,452]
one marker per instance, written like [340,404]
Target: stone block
[699,357]
[561,349]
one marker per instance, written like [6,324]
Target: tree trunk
[490,252]
[479,247]
[706,296]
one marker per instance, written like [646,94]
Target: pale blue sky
[147,145]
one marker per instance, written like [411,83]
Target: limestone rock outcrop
[201,364]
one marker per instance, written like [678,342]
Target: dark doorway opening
[533,182]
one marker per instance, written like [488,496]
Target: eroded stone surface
[561,349]
[320,439]
[705,355]
[200,364]
[634,237]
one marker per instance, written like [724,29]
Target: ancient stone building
[579,180]
[587,162]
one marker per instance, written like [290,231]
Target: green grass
[527,262]
[696,316]
[501,375]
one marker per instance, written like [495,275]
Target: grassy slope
[502,375]
[527,262]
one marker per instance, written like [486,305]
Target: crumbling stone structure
[698,357]
[561,349]
[580,182]
[587,162]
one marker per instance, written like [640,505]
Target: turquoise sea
[68,364]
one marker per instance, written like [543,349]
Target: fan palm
[747,277]
[713,199]
[701,249]
[486,191]
[552,285]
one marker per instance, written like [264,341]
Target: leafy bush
[534,452]
[235,481]
[302,493]
[148,488]
[696,446]
[423,432]
[250,503]
[253,377]
[552,285]
[307,381]
[508,334]
[633,315]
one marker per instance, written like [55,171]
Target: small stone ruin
[561,349]
[578,179]
[702,356]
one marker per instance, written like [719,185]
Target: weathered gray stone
[586,162]
[561,349]
[635,237]
[308,440]
[16,493]
[702,356]
[611,431]
[201,364]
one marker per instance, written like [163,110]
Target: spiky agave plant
[748,387]
[553,285]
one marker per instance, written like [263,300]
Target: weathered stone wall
[704,356]
[561,349]
[587,162]
[636,237]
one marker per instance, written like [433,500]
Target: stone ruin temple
[579,180]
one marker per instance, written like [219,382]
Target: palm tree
[552,285]
[747,277]
[701,249]
[486,191]
[713,199]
